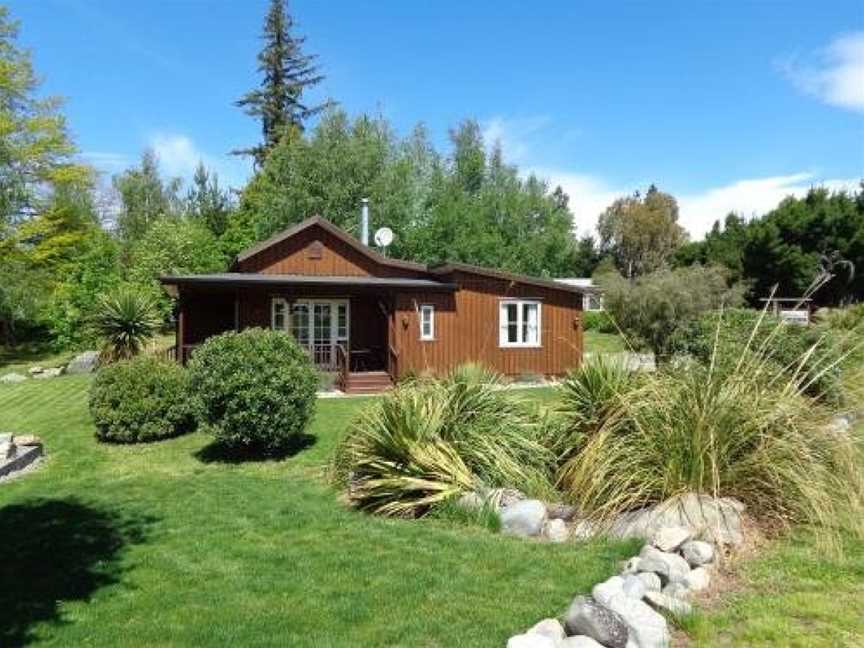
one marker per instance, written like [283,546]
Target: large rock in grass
[49,373]
[531,640]
[524,518]
[587,617]
[12,377]
[698,579]
[556,530]
[646,628]
[670,567]
[670,538]
[716,520]
[665,603]
[551,628]
[83,363]
[579,641]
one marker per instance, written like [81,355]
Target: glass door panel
[322,334]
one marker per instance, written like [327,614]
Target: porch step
[368,382]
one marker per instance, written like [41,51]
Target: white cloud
[514,134]
[590,195]
[106,161]
[179,156]
[834,74]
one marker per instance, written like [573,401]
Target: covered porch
[345,324]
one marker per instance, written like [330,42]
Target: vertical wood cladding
[315,251]
[467,329]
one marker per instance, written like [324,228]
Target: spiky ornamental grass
[126,319]
[748,432]
[431,440]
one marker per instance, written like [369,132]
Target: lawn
[170,544]
[596,342]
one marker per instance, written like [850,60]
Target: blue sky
[728,105]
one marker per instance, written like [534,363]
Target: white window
[278,321]
[520,323]
[427,322]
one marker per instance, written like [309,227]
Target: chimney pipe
[364,221]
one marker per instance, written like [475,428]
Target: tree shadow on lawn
[217,452]
[56,550]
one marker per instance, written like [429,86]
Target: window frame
[504,324]
[286,313]
[422,311]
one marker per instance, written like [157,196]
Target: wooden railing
[343,364]
[392,362]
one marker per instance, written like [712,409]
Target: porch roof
[249,279]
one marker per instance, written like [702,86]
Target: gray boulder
[556,530]
[524,518]
[551,628]
[589,618]
[559,511]
[671,567]
[646,627]
[12,377]
[665,603]
[697,552]
[677,590]
[531,640]
[83,363]
[651,581]
[49,373]
[633,586]
[579,641]
[582,530]
[716,520]
[35,370]
[698,579]
[503,497]
[631,566]
[471,501]
[670,538]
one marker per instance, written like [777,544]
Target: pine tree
[288,73]
[207,202]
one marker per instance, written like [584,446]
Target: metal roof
[260,279]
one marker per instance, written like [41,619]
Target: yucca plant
[427,442]
[751,433]
[126,319]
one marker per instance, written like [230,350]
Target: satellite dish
[383,237]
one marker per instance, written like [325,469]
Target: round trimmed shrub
[254,389]
[142,399]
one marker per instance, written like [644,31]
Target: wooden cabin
[372,319]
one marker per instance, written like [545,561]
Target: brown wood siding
[302,255]
[205,315]
[467,329]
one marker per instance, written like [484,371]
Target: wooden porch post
[180,343]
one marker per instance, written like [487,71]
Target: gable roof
[338,232]
[435,270]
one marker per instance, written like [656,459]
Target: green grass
[596,342]
[171,544]
[21,357]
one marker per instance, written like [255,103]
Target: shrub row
[254,389]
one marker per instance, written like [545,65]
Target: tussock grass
[748,431]
[430,440]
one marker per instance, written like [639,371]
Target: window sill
[428,339]
[520,346]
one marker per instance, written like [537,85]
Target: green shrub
[750,434]
[254,389]
[598,321]
[787,347]
[430,440]
[143,399]
[126,319]
[654,309]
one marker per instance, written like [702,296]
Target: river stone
[83,363]
[579,641]
[504,497]
[551,628]
[49,373]
[631,566]
[524,518]
[588,617]
[671,567]
[531,640]
[633,586]
[35,370]
[698,579]
[12,378]
[646,628]
[677,590]
[697,552]
[651,581]
[556,530]
[666,603]
[582,530]
[608,588]
[713,519]
[670,538]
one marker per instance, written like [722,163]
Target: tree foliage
[642,232]
[145,197]
[287,73]
[820,234]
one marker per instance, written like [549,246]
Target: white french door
[318,325]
